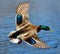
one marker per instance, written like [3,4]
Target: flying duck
[26,31]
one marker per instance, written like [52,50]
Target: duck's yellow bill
[51,30]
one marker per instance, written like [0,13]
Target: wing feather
[23,8]
[38,43]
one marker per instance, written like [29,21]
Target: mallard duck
[26,31]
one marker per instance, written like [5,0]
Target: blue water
[42,12]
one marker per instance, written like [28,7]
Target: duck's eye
[19,19]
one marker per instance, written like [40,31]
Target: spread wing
[36,42]
[23,8]
[22,12]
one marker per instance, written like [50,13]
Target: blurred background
[41,12]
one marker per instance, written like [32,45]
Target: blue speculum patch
[19,19]
[31,41]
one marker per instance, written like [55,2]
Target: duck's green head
[43,27]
